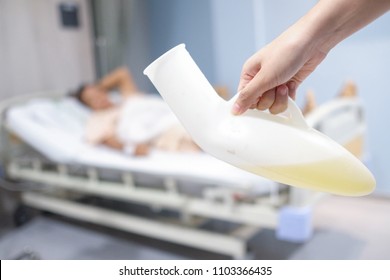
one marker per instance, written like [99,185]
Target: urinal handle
[293,113]
[296,117]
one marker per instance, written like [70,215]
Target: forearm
[111,80]
[331,21]
[120,79]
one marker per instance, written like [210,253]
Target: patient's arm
[120,79]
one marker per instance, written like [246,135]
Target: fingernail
[236,109]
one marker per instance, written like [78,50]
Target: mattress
[55,128]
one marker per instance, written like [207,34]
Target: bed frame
[60,188]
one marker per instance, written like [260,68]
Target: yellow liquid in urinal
[335,176]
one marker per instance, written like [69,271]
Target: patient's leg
[349,90]
[186,144]
[310,104]
[112,141]
[175,139]
[142,149]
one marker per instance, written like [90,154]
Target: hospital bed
[42,147]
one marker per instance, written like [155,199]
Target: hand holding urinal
[279,147]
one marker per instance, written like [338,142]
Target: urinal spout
[187,91]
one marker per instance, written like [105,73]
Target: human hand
[275,72]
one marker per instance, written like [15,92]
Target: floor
[365,220]
[345,228]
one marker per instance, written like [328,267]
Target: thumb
[251,93]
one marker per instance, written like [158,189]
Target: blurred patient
[135,124]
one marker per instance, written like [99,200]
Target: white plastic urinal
[279,147]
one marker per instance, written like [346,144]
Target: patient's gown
[138,119]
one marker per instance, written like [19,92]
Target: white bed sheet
[56,129]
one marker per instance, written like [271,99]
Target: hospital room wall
[37,53]
[233,30]
[138,54]
[183,21]
[213,32]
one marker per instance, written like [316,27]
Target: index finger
[250,94]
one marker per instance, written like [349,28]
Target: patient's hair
[78,92]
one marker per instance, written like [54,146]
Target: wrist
[319,31]
[331,21]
